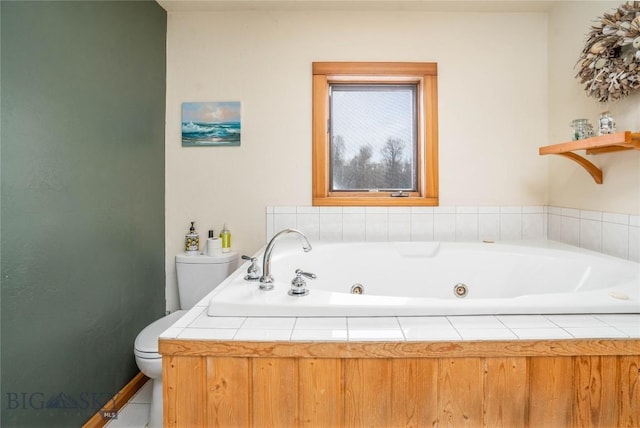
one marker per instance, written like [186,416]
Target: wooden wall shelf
[625,140]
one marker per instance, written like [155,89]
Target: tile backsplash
[610,233]
[614,234]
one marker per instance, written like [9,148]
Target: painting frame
[211,123]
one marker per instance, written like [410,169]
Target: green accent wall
[82,208]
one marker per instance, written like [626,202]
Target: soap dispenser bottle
[192,240]
[225,237]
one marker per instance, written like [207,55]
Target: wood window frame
[426,76]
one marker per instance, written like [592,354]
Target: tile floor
[135,413]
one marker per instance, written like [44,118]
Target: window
[375,134]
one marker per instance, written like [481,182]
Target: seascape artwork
[211,124]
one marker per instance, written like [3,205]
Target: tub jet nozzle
[357,289]
[460,290]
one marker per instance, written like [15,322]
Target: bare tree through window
[373,137]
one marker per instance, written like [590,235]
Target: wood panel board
[184,394]
[320,386]
[228,392]
[439,349]
[367,390]
[414,392]
[550,392]
[460,392]
[595,391]
[629,391]
[274,396]
[505,392]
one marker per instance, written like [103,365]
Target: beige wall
[506,87]
[569,184]
[493,105]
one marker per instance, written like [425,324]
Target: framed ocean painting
[211,124]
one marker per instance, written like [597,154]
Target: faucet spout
[266,280]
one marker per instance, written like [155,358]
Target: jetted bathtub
[434,278]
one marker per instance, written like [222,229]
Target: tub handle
[299,285]
[305,274]
[253,272]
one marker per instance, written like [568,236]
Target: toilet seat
[146,344]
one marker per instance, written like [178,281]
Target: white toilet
[197,276]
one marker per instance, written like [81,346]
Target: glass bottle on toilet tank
[192,241]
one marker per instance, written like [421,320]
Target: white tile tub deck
[199,325]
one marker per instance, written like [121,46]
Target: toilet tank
[199,274]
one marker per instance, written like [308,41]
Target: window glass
[373,137]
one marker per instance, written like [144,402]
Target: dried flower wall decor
[610,61]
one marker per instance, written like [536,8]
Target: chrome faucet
[266,280]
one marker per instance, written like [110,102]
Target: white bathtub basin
[418,278]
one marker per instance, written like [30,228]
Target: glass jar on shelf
[606,125]
[581,129]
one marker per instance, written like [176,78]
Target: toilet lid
[147,340]
[204,259]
